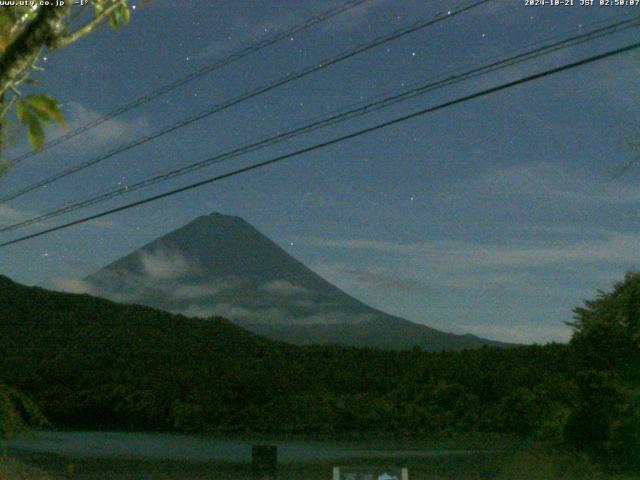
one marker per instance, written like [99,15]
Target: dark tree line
[91,363]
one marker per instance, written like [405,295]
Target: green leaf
[120,16]
[22,110]
[6,20]
[113,20]
[45,107]
[98,8]
[35,131]
[126,14]
[32,111]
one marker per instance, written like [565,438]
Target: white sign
[370,473]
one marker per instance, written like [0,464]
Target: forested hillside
[92,363]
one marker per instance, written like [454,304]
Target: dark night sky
[494,217]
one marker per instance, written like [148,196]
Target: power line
[416,26]
[232,58]
[334,141]
[381,103]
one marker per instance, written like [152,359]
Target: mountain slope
[387,333]
[221,265]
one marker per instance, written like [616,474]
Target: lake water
[153,446]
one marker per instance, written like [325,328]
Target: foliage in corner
[605,420]
[17,412]
[26,32]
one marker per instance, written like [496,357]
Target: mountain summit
[220,265]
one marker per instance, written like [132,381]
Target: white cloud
[107,132]
[72,285]
[163,272]
[354,17]
[11,215]
[257,33]
[345,21]
[552,182]
[271,315]
[379,278]
[198,311]
[284,288]
[163,265]
[195,291]
[464,255]
[335,317]
[138,286]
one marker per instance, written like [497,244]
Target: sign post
[370,473]
[264,462]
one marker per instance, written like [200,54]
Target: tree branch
[87,28]
[20,23]
[23,51]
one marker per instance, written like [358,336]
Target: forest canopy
[92,363]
